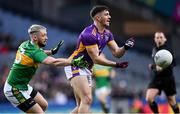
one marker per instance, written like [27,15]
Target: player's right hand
[129,43]
[122,64]
[158,68]
[80,62]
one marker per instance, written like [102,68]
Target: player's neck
[34,43]
[99,27]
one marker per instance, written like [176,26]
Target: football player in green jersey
[29,54]
[103,75]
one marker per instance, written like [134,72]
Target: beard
[106,25]
[41,44]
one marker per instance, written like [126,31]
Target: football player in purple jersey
[90,44]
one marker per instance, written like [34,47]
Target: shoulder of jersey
[27,45]
[90,30]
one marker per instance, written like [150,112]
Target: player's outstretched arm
[65,62]
[94,54]
[55,49]
[56,61]
[119,51]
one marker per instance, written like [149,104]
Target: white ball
[163,58]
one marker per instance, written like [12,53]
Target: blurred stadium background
[65,19]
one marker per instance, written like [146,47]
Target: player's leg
[83,90]
[173,104]
[104,104]
[35,109]
[41,101]
[22,99]
[150,98]
[102,94]
[170,91]
[75,110]
[38,98]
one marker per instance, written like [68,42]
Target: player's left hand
[56,48]
[122,64]
[80,62]
[129,43]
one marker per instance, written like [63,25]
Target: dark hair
[96,9]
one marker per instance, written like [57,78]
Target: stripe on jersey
[92,46]
[101,73]
[75,71]
[80,49]
[25,60]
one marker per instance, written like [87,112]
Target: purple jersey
[89,38]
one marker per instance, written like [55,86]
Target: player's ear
[98,17]
[154,39]
[34,36]
[165,39]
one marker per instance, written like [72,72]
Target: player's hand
[129,43]
[152,66]
[122,64]
[56,48]
[158,68]
[80,62]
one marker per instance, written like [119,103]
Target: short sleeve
[111,37]
[88,40]
[39,56]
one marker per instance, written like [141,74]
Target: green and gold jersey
[25,65]
[102,75]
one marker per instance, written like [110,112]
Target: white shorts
[102,90]
[71,72]
[15,96]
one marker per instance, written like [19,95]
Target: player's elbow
[50,61]
[118,53]
[115,54]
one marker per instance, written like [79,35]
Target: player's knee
[44,106]
[171,101]
[87,99]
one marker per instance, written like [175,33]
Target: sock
[175,108]
[154,107]
[105,108]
